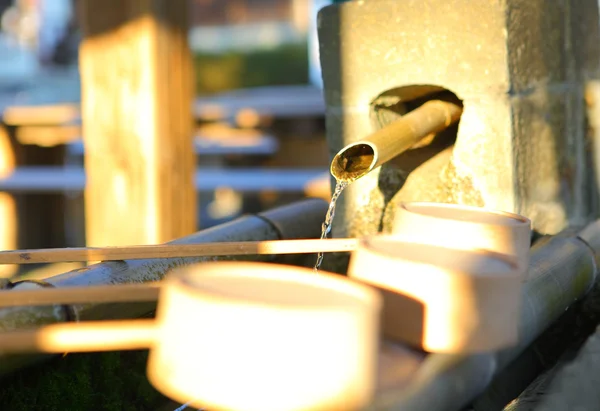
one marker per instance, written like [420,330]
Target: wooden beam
[137,94]
[47,136]
[46,115]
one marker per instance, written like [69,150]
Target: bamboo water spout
[363,156]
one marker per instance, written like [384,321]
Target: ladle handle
[93,336]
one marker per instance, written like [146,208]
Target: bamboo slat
[83,254]
[98,294]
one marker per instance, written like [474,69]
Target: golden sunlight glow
[8,232]
[441,299]
[94,336]
[49,114]
[465,228]
[8,205]
[319,187]
[247,118]
[266,337]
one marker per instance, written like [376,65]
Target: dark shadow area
[80,381]
[558,345]
[330,27]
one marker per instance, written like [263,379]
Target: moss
[95,381]
[284,65]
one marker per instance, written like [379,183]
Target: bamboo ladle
[243,335]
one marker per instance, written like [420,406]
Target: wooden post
[26,219]
[8,208]
[137,91]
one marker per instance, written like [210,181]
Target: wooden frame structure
[137,92]
[137,102]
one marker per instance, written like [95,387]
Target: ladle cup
[257,336]
[442,299]
[466,228]
[243,336]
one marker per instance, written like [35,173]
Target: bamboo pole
[84,254]
[99,294]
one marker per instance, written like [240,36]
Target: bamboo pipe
[138,252]
[359,158]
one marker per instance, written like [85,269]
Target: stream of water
[326,226]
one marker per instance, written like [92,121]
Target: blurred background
[260,132]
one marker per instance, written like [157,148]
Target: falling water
[326,226]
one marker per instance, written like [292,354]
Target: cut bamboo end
[360,158]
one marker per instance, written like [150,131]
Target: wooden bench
[72,179]
[69,182]
[40,124]
[272,102]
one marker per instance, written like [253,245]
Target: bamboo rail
[84,254]
[118,293]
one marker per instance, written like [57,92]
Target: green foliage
[92,382]
[285,65]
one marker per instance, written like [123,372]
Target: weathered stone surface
[520,68]
[388,44]
[535,42]
[575,384]
[583,45]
